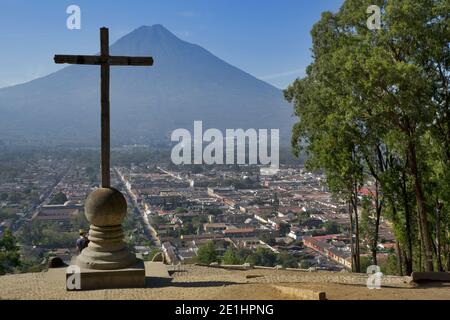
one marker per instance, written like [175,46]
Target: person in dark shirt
[82,241]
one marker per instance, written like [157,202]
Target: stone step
[301,294]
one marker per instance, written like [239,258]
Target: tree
[79,222]
[213,211]
[188,228]
[284,229]
[9,253]
[287,260]
[374,101]
[267,238]
[207,253]
[59,198]
[305,264]
[331,227]
[230,257]
[181,210]
[15,197]
[262,257]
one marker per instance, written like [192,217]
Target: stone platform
[89,279]
[192,282]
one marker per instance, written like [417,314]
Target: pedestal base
[90,279]
[106,250]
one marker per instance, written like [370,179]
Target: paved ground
[195,282]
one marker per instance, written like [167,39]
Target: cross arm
[98,60]
[73,59]
[130,61]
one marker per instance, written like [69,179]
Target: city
[290,218]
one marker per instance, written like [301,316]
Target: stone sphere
[105,207]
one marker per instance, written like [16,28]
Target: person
[82,241]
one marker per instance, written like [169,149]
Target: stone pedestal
[91,279]
[106,250]
[106,262]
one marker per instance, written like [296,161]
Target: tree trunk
[378,208]
[409,256]
[356,223]
[421,208]
[448,250]
[352,247]
[399,258]
[438,236]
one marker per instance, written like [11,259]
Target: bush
[262,257]
[287,261]
[331,227]
[305,264]
[59,198]
[9,253]
[231,257]
[207,253]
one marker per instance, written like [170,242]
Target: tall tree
[373,90]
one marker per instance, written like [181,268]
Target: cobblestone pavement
[196,282]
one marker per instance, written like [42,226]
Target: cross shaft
[104,61]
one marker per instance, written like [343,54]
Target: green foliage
[9,253]
[207,253]
[181,210]
[80,222]
[287,260]
[268,239]
[390,267]
[243,253]
[262,257]
[59,198]
[231,257]
[284,229]
[366,261]
[374,106]
[15,197]
[49,235]
[332,227]
[213,211]
[7,213]
[305,264]
[188,228]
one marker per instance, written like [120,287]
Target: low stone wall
[300,294]
[277,275]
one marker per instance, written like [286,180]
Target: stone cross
[105,61]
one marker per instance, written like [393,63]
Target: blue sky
[270,39]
